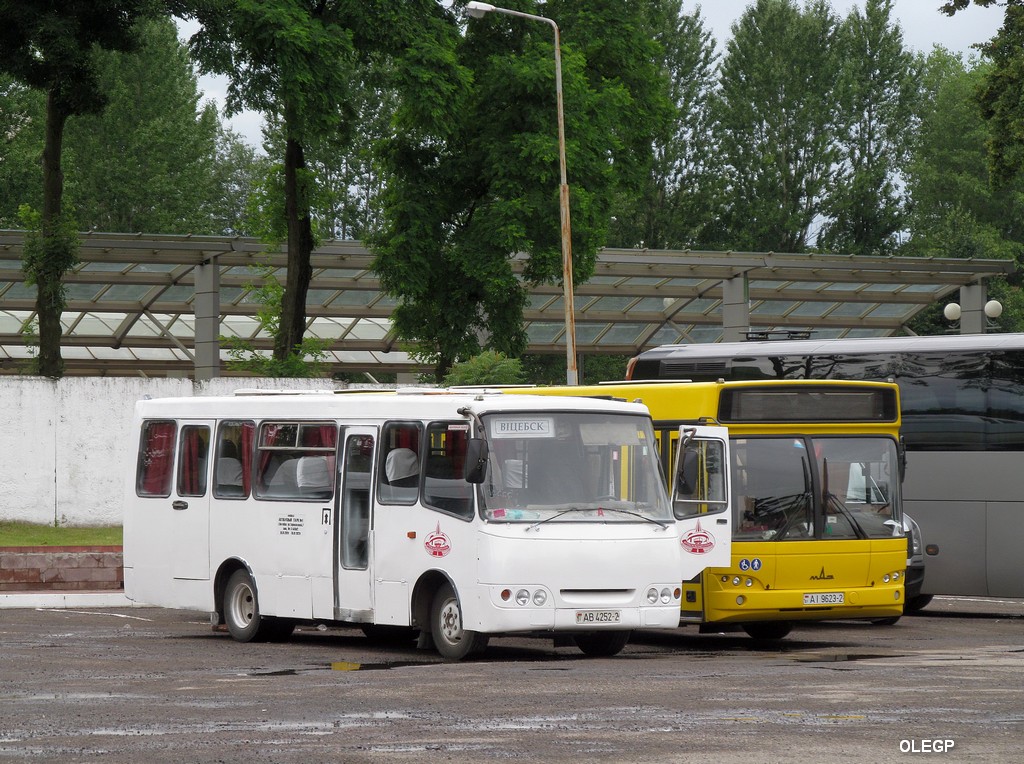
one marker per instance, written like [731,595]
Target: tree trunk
[49,287]
[300,247]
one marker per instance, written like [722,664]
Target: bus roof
[376,404]
[935,343]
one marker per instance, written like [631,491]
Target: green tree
[679,203]
[147,162]
[462,202]
[879,86]
[487,368]
[295,60]
[955,211]
[22,112]
[51,47]
[779,122]
[1002,93]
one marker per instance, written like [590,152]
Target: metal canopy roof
[131,300]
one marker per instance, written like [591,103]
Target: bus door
[190,502]
[352,580]
[700,501]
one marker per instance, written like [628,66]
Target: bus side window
[444,487]
[398,481]
[233,460]
[156,458]
[192,460]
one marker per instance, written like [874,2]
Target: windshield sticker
[698,541]
[437,544]
[532,427]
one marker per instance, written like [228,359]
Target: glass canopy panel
[666,335]
[352,298]
[612,304]
[184,294]
[370,329]
[153,267]
[706,334]
[643,281]
[623,334]
[320,296]
[851,309]
[813,309]
[102,268]
[890,310]
[652,305]
[133,292]
[75,291]
[543,332]
[94,325]
[586,334]
[773,307]
[882,288]
[845,286]
[22,291]
[539,301]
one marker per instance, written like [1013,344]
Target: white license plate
[824,598]
[597,616]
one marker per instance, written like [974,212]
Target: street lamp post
[477,10]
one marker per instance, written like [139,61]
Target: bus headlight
[885,578]
[522,597]
[666,595]
[540,597]
[652,596]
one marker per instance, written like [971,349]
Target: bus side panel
[1005,535]
[943,493]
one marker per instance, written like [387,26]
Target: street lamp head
[477,10]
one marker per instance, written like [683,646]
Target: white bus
[459,515]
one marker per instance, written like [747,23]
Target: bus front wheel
[768,630]
[602,644]
[242,613]
[452,641]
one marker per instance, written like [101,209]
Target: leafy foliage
[486,368]
[779,123]
[268,293]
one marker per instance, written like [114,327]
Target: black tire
[920,602]
[452,641]
[768,630]
[242,613]
[602,644]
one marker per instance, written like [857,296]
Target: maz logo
[823,576]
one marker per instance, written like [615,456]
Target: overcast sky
[922,23]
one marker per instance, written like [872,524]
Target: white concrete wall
[65,444]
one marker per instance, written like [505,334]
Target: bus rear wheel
[452,641]
[602,644]
[768,630]
[242,613]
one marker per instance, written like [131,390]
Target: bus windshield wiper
[630,512]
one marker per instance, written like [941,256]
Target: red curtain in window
[248,441]
[193,463]
[157,459]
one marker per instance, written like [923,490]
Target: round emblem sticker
[437,544]
[698,541]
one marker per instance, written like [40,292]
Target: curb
[64,600]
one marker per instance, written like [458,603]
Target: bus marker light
[740,600]
[411,534]
[506,594]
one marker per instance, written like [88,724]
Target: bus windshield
[572,467]
[848,488]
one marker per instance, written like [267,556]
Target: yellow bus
[815,475]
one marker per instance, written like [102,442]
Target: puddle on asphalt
[344,666]
[842,657]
